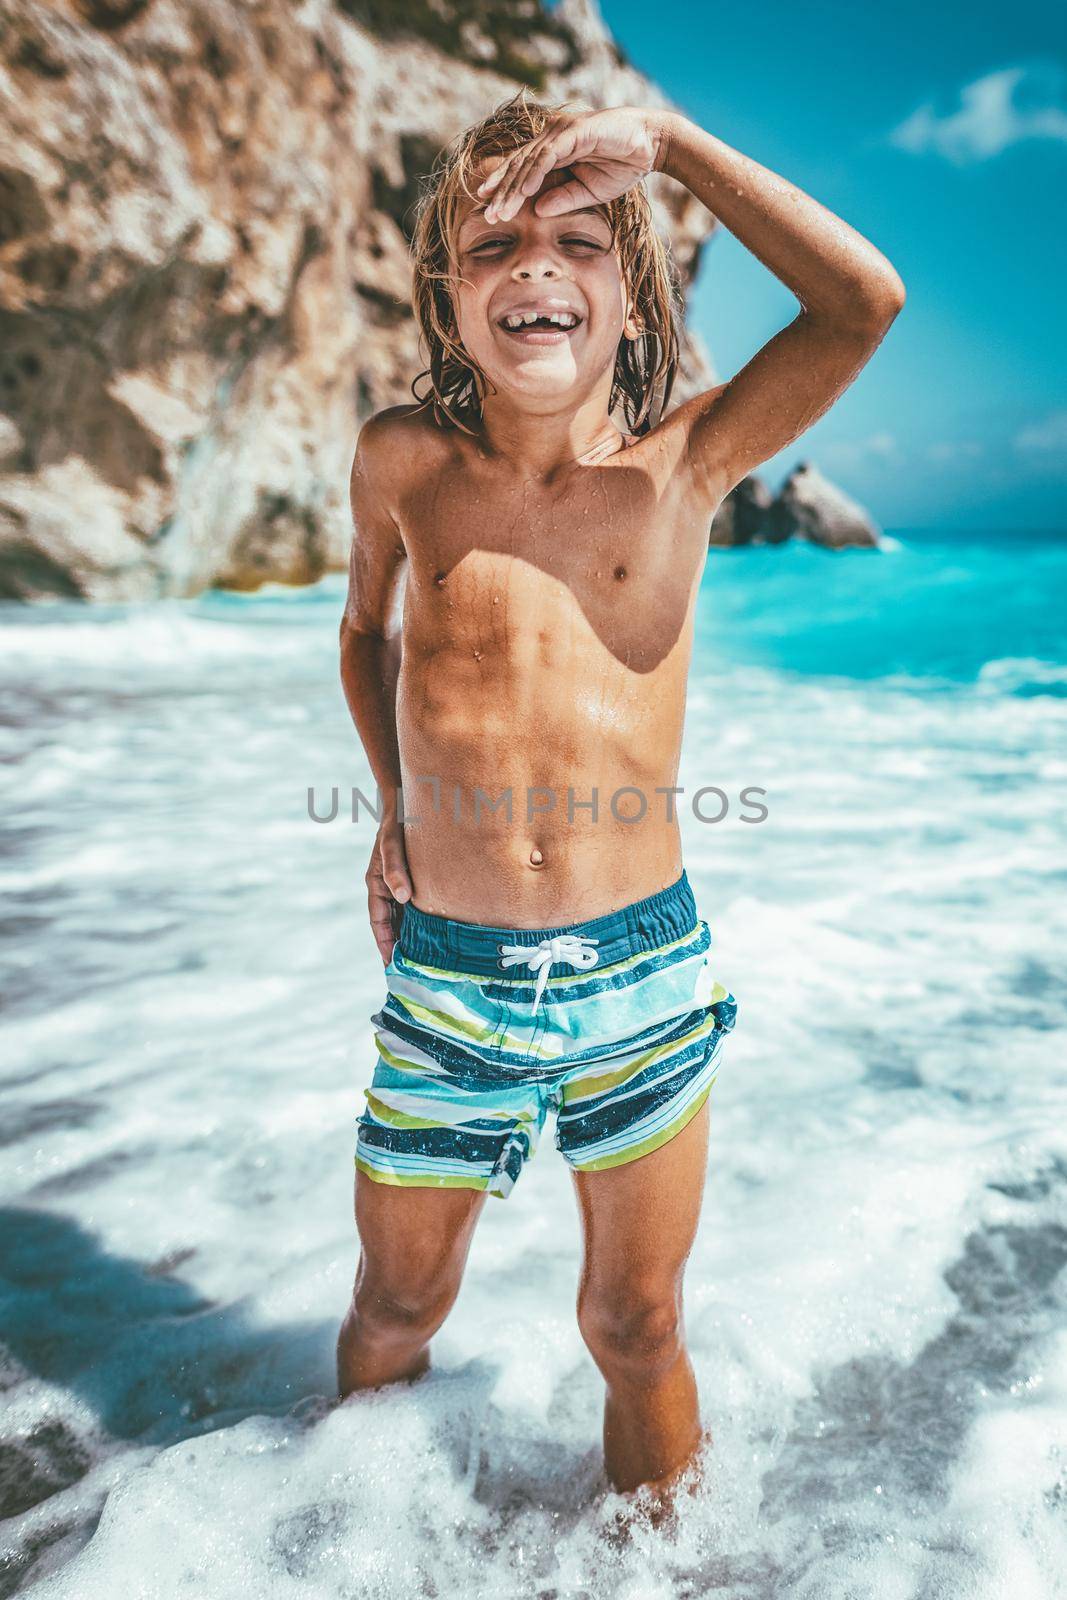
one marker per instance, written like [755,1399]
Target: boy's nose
[536,264]
[535,258]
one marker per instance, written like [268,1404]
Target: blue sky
[941,134]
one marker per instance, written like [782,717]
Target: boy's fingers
[395,870]
[388,888]
[498,172]
[385,939]
[565,197]
[506,193]
[550,155]
[381,923]
[385,919]
[539,153]
[500,176]
[494,177]
[505,165]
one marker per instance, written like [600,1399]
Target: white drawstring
[569,947]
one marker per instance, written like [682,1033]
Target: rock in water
[808,506]
[742,517]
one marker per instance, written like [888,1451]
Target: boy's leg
[414,1248]
[639,1221]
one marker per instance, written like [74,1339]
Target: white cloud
[993,112]
[850,452]
[1047,437]
[947,450]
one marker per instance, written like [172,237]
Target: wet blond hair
[457,384]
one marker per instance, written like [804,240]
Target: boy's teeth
[563,319]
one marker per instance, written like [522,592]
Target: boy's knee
[403,1313]
[633,1334]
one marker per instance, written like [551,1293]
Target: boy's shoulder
[398,451]
[401,441]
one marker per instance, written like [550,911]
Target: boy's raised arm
[848,291]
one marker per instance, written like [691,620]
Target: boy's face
[563,267]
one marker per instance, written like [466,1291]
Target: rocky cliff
[203,267]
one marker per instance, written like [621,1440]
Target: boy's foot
[660,1505]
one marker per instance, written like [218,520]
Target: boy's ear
[632,327]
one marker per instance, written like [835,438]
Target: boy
[541,942]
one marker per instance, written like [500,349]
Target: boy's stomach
[536,809]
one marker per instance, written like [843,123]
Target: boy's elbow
[872,303]
[356,634]
[348,641]
[886,297]
[895,294]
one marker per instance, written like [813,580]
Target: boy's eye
[493,244]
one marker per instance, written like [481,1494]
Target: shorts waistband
[474,947]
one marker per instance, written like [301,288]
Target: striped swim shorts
[614,1024]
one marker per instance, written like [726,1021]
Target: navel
[620,572]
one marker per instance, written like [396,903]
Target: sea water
[876,1300]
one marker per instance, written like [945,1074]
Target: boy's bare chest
[599,531]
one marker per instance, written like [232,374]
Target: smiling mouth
[553,328]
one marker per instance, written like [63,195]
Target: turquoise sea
[877,1302]
[953,607]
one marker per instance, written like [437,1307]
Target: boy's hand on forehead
[606,152]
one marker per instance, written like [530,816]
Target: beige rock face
[204,277]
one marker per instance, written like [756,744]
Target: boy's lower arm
[832,269]
[370,667]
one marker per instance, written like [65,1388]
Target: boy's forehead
[471,210]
